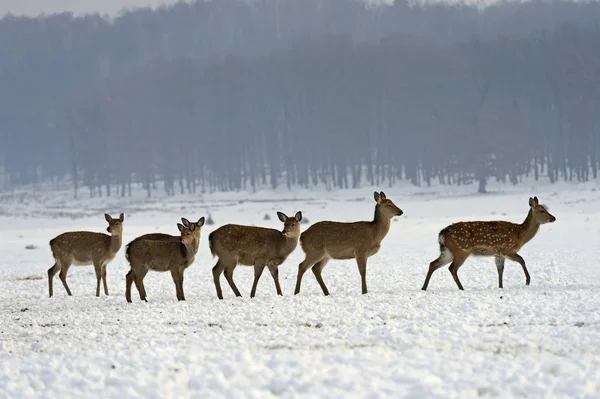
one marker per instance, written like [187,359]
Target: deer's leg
[258,269]
[517,258]
[139,283]
[98,270]
[128,282]
[64,269]
[104,279]
[500,266]
[454,266]
[308,262]
[229,276]
[51,273]
[275,274]
[143,287]
[317,269]
[442,260]
[362,269]
[216,271]
[176,280]
[181,284]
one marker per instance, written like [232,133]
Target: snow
[397,341]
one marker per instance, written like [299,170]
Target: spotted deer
[336,240]
[162,252]
[499,239]
[84,248]
[253,246]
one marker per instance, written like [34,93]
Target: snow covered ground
[397,341]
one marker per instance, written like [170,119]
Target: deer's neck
[529,227]
[381,223]
[289,244]
[196,245]
[115,243]
[189,250]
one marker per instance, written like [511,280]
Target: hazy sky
[35,7]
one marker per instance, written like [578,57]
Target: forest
[240,95]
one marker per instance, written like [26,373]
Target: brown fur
[334,240]
[253,246]
[84,248]
[499,239]
[162,252]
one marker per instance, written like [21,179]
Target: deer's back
[340,240]
[157,236]
[81,247]
[486,238]
[245,243]
[158,255]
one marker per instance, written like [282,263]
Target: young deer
[162,252]
[335,240]
[494,238]
[253,246]
[84,248]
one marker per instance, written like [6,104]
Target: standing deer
[336,240]
[253,246]
[499,239]
[162,252]
[84,248]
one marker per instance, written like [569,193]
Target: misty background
[231,94]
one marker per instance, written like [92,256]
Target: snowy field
[397,341]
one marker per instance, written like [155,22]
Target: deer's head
[115,226]
[386,206]
[195,227]
[540,213]
[291,226]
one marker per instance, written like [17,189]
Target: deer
[328,240]
[161,253]
[253,246]
[499,239]
[84,248]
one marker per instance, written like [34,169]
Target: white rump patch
[446,256]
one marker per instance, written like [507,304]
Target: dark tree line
[227,95]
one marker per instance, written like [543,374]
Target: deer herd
[268,248]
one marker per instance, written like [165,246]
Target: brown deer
[253,246]
[499,239]
[162,252]
[84,248]
[336,240]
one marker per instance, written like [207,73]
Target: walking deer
[84,248]
[253,246]
[162,252]
[499,239]
[336,240]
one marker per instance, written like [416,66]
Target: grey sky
[111,7]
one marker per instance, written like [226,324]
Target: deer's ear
[377,197]
[536,201]
[382,195]
[531,202]
[180,227]
[282,216]
[121,217]
[185,222]
[200,222]
[298,216]
[108,217]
